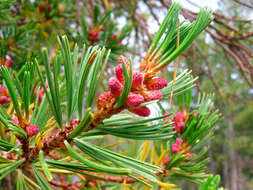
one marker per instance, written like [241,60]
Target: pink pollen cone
[15,121]
[8,63]
[154,95]
[115,87]
[179,141]
[9,156]
[125,59]
[3,90]
[137,79]
[178,117]
[166,160]
[32,130]
[142,111]
[119,73]
[156,83]
[73,122]
[166,118]
[134,100]
[175,149]
[4,99]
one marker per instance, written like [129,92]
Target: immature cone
[8,63]
[119,69]
[40,8]
[178,122]
[105,100]
[4,100]
[178,127]
[166,160]
[137,79]
[141,111]
[176,147]
[115,87]
[156,83]
[9,156]
[119,73]
[93,36]
[154,95]
[15,121]
[4,91]
[178,117]
[125,59]
[73,122]
[134,100]
[113,37]
[32,130]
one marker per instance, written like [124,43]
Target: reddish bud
[73,122]
[179,141]
[4,99]
[156,83]
[154,95]
[195,113]
[175,149]
[4,91]
[8,63]
[166,160]
[141,111]
[137,79]
[189,155]
[125,60]
[178,127]
[119,73]
[113,37]
[48,7]
[166,118]
[115,87]
[41,9]
[32,130]
[15,121]
[93,35]
[134,100]
[105,100]
[178,117]
[40,96]
[77,184]
[9,156]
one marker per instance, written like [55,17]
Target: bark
[232,159]
[225,168]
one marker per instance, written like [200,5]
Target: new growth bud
[115,87]
[156,83]
[141,111]
[93,35]
[166,160]
[134,100]
[4,95]
[8,63]
[125,59]
[178,122]
[154,95]
[119,69]
[4,100]
[105,100]
[137,79]
[32,130]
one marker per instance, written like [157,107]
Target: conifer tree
[52,119]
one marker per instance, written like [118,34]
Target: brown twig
[243,4]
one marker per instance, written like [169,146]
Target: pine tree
[51,116]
